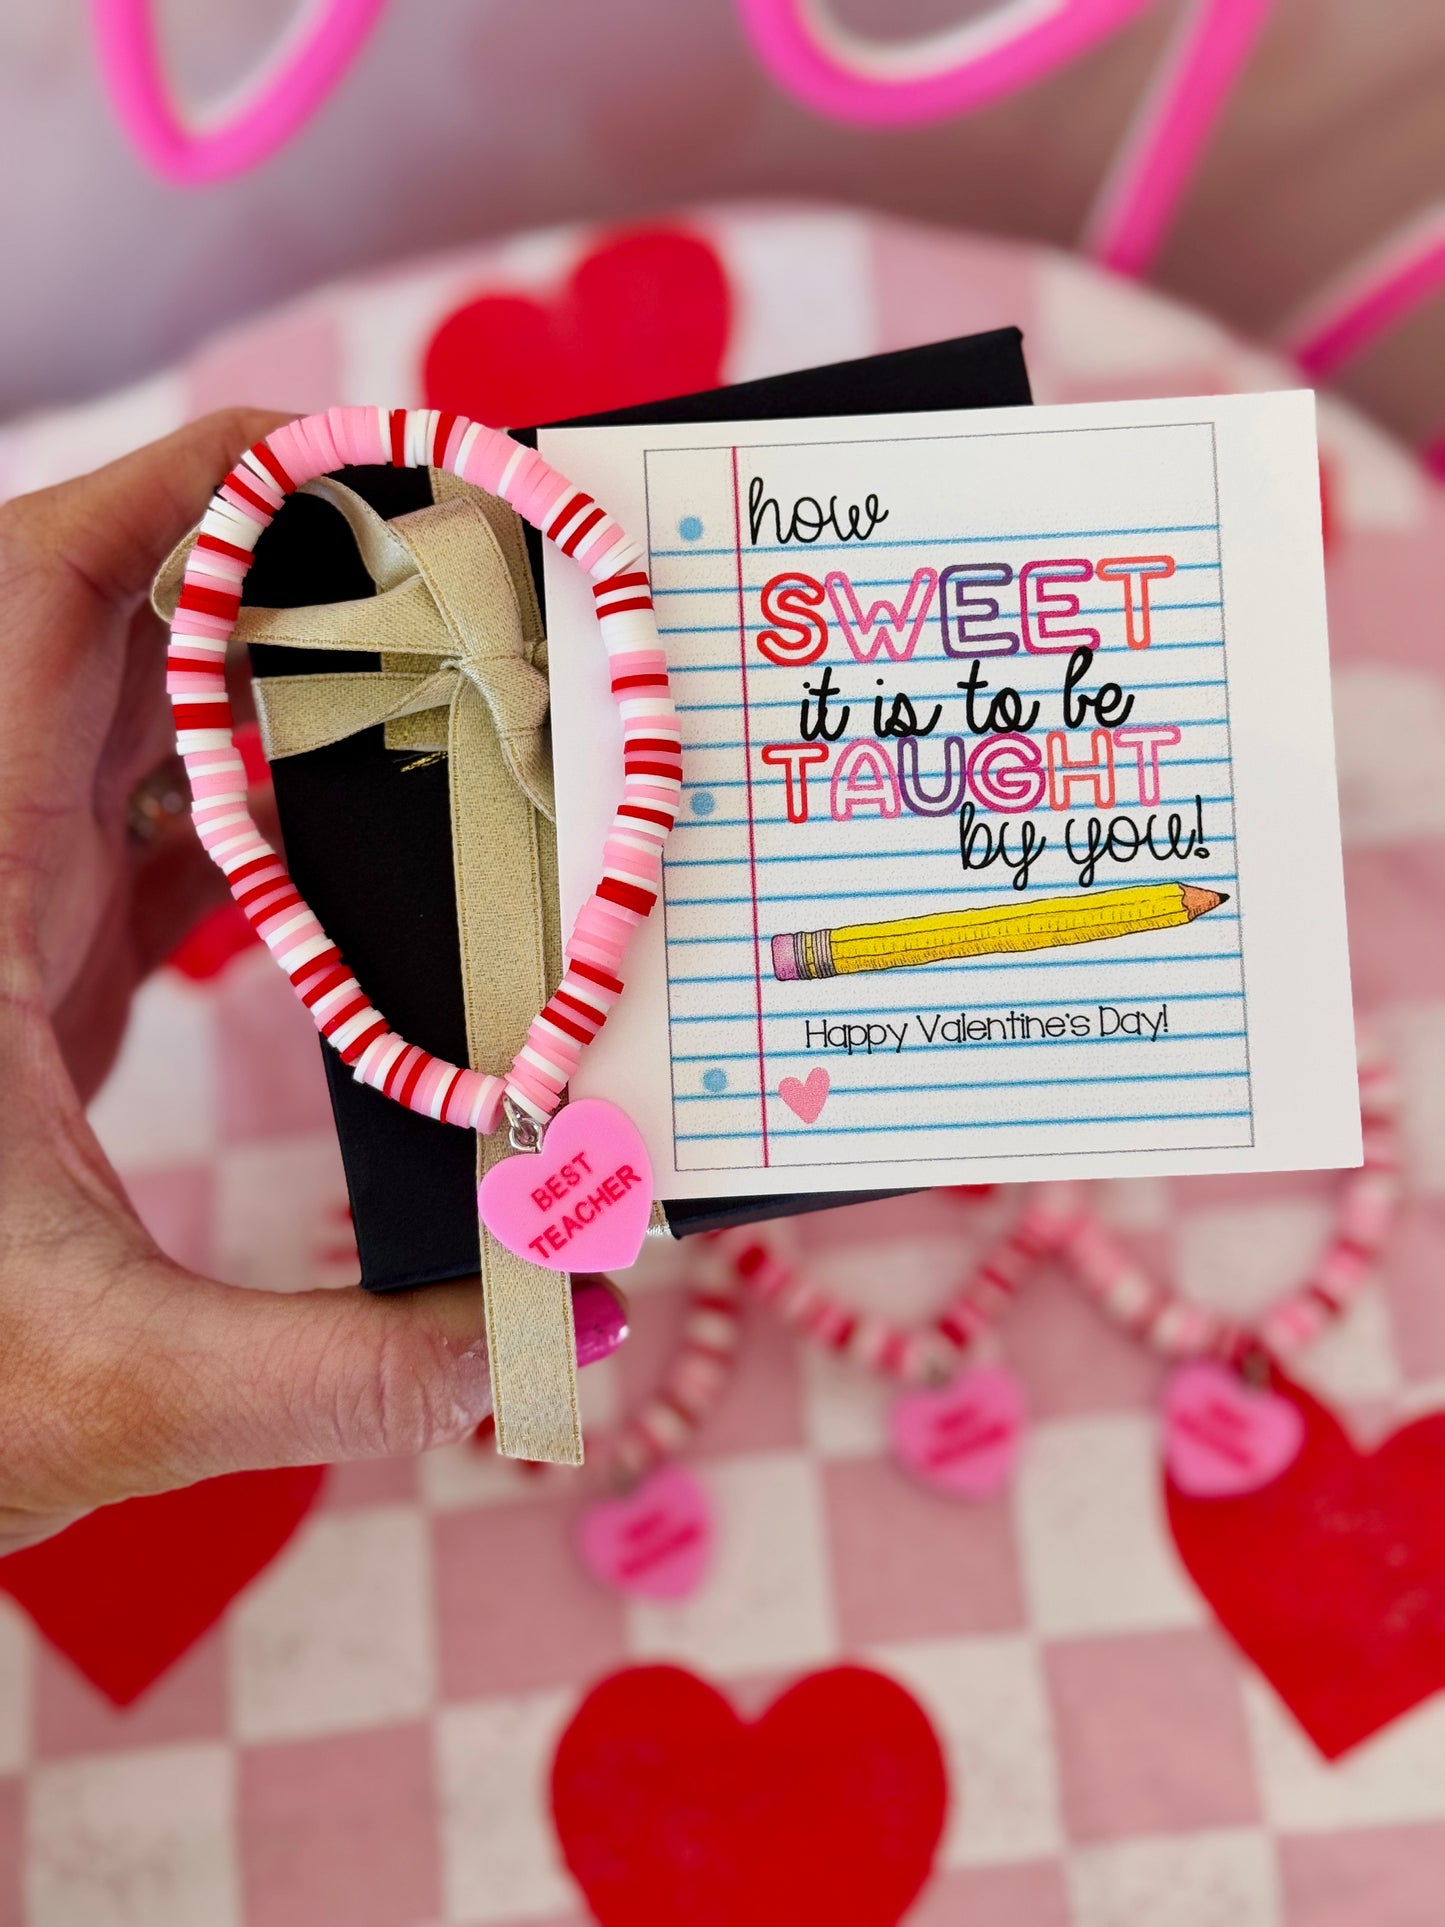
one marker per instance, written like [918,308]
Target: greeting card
[1008,844]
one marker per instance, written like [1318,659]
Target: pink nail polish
[600,1318]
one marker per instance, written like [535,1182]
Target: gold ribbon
[456,622]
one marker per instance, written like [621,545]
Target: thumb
[174,1378]
[122,1372]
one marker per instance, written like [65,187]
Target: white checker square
[65,442]
[845,1411]
[790,320]
[987,1700]
[1133,1204]
[17,1650]
[1394,1778]
[1222,1878]
[1096,1553]
[1354,1358]
[134,1840]
[338,1635]
[1420,1396]
[499,1858]
[766,1604]
[1415,1039]
[1375,482]
[1241,1258]
[473,1472]
[1095,327]
[158,1106]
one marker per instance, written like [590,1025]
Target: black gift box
[368,831]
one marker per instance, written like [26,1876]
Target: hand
[121,1372]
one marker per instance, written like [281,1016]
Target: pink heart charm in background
[806,1098]
[962,1439]
[1223,1437]
[582,1202]
[656,1543]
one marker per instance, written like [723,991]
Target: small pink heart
[1222,1437]
[964,1438]
[654,1544]
[582,1202]
[806,1099]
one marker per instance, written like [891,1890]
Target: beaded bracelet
[242,507]
[696,1377]
[654,1537]
[926,1354]
[1154,1311]
[955,1427]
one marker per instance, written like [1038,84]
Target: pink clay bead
[293,452]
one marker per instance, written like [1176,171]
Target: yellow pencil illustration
[998,928]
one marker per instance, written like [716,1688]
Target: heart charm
[656,1542]
[582,1202]
[805,1098]
[1223,1437]
[963,1439]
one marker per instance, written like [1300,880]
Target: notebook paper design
[958,877]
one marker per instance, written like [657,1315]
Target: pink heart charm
[582,1202]
[964,1438]
[654,1544]
[806,1098]
[1223,1437]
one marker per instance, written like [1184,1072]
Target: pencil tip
[1198,902]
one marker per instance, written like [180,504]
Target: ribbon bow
[456,622]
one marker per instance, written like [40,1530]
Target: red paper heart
[1332,1577]
[127,1590]
[643,316]
[670,1808]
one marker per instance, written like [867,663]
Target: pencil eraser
[785,960]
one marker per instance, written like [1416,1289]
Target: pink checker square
[1151,1735]
[1071,1360]
[911,1564]
[515,1609]
[1222,1189]
[1386,1876]
[760,1411]
[270,1078]
[1410,1269]
[188,1702]
[369,1482]
[176,1205]
[1023,1896]
[12,1860]
[1397,934]
[925,296]
[290,361]
[340,1832]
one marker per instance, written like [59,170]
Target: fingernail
[600,1316]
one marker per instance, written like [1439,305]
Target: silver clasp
[524,1132]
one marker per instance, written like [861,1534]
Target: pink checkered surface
[365,1740]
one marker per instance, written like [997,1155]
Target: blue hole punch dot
[703,802]
[690,528]
[714,1081]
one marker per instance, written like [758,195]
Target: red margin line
[752,838]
